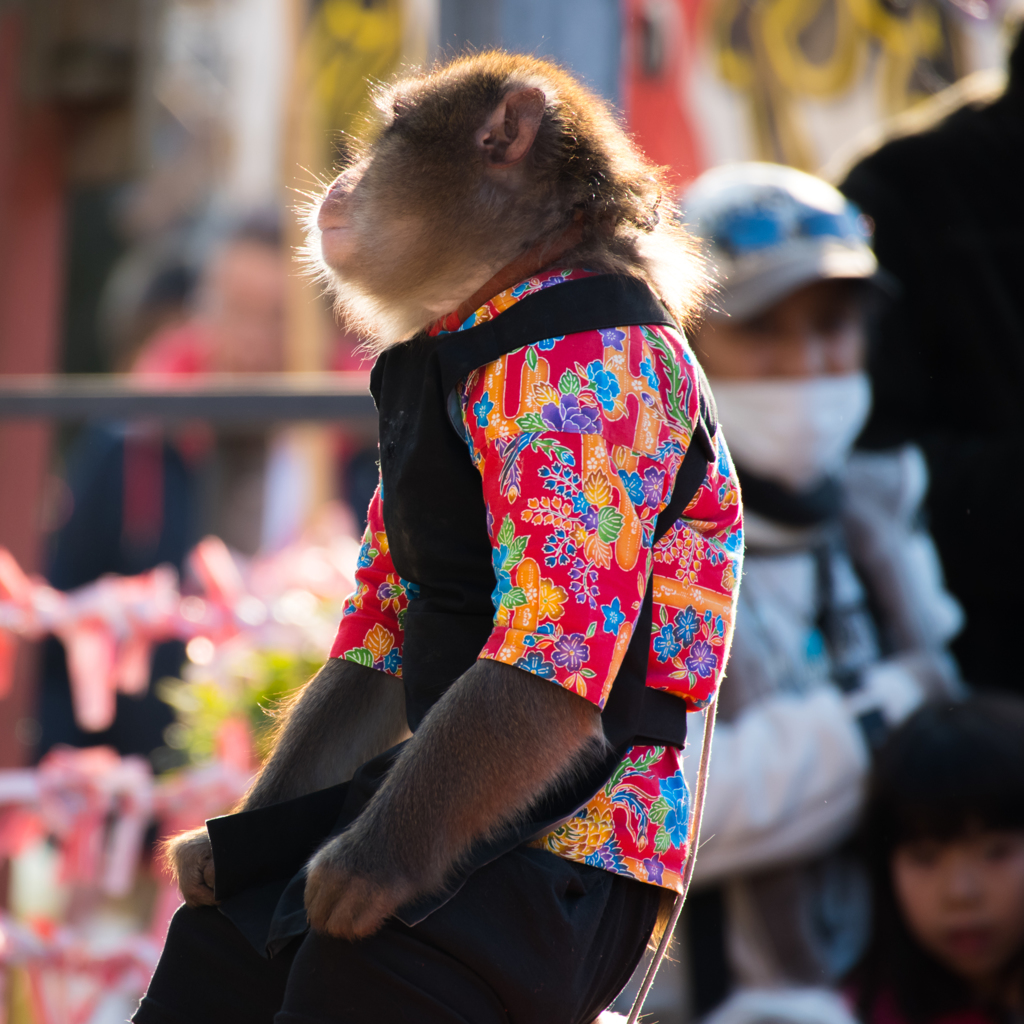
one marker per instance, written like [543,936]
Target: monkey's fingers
[191,858]
[361,910]
[200,895]
[197,883]
[347,905]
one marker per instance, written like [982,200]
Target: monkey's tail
[691,857]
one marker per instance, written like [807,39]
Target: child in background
[843,619]
[944,837]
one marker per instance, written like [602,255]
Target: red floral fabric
[577,440]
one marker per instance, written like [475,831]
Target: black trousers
[529,939]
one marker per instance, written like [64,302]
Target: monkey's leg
[345,715]
[488,749]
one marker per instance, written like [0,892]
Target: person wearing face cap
[843,617]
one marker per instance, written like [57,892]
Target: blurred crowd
[865,811]
[864,850]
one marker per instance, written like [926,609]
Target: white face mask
[793,431]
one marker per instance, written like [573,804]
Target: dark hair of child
[952,770]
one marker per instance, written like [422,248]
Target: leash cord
[691,857]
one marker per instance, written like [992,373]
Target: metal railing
[221,398]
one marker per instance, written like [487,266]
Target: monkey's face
[435,204]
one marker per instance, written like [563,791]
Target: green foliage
[254,684]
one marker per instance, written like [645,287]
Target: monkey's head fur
[463,169]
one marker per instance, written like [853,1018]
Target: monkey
[530,733]
[467,179]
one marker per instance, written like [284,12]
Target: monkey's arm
[342,717]
[495,742]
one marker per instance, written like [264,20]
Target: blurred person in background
[237,325]
[947,357]
[141,497]
[943,835]
[843,620]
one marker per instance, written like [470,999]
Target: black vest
[435,520]
[434,512]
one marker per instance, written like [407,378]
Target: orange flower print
[552,600]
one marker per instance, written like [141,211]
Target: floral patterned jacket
[577,440]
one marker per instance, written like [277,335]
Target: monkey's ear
[510,130]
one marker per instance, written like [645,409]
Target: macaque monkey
[491,746]
[470,178]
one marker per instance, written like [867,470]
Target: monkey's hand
[496,741]
[189,855]
[345,896]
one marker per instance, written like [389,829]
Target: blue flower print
[570,651]
[547,344]
[653,486]
[605,385]
[654,868]
[412,590]
[535,663]
[702,659]
[607,857]
[365,559]
[571,417]
[557,279]
[687,625]
[612,337]
[634,486]
[675,794]
[613,616]
[498,557]
[391,661]
[482,409]
[666,646]
[647,369]
[526,287]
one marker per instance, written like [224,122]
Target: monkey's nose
[332,212]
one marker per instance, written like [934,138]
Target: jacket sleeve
[373,619]
[578,441]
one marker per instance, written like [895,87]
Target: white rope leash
[691,857]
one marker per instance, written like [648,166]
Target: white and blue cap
[772,229]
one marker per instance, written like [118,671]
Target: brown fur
[433,213]
[342,717]
[490,747]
